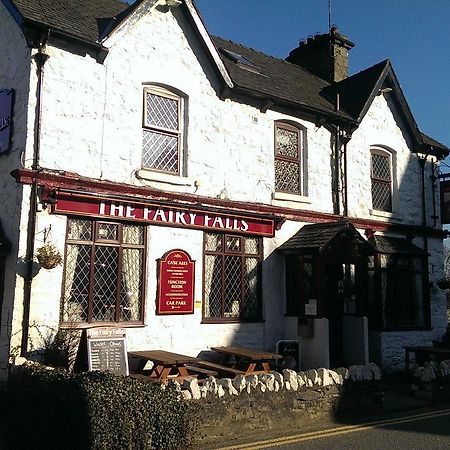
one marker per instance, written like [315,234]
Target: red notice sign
[176,273]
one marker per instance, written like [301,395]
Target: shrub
[94,411]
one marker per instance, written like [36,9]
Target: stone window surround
[179,178]
[302,196]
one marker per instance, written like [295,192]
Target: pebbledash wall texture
[92,114]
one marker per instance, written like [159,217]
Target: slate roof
[278,79]
[285,83]
[355,90]
[430,141]
[388,244]
[315,237]
[82,19]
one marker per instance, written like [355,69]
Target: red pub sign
[176,273]
[86,205]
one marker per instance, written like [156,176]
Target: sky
[413,34]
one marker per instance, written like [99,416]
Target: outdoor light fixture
[385,90]
[173,3]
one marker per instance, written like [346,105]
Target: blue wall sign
[6,115]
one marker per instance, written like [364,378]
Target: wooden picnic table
[249,360]
[439,352]
[166,365]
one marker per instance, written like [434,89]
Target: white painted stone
[325,377]
[291,376]
[278,377]
[445,369]
[252,380]
[356,372]
[240,383]
[203,391]
[262,387]
[344,372]
[300,380]
[186,395]
[211,384]
[228,387]
[192,385]
[287,385]
[367,374]
[220,391]
[269,380]
[376,371]
[312,377]
[276,386]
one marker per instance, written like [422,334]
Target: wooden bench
[203,371]
[219,368]
[437,353]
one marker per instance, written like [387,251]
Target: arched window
[163,130]
[290,158]
[381,179]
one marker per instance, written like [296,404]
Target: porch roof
[316,237]
[389,244]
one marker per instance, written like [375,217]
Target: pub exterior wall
[230,154]
[15,73]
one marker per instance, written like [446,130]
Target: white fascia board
[208,42]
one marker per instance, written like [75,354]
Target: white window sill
[284,196]
[385,215]
[149,175]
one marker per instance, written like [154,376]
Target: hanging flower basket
[48,256]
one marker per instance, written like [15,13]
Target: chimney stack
[325,55]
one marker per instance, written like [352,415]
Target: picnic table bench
[166,365]
[435,352]
[248,361]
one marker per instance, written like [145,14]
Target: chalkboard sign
[291,354]
[107,350]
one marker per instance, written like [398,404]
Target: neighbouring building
[202,193]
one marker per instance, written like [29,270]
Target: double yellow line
[333,431]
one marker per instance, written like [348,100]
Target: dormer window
[162,131]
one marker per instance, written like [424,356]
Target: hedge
[51,409]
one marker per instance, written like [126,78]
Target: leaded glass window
[231,277]
[381,180]
[288,158]
[162,139]
[104,272]
[398,291]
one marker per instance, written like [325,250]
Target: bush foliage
[93,411]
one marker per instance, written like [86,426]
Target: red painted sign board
[176,272]
[86,205]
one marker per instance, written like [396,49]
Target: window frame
[301,160]
[222,254]
[94,242]
[377,315]
[179,133]
[375,179]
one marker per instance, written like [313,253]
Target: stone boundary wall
[432,381]
[247,406]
